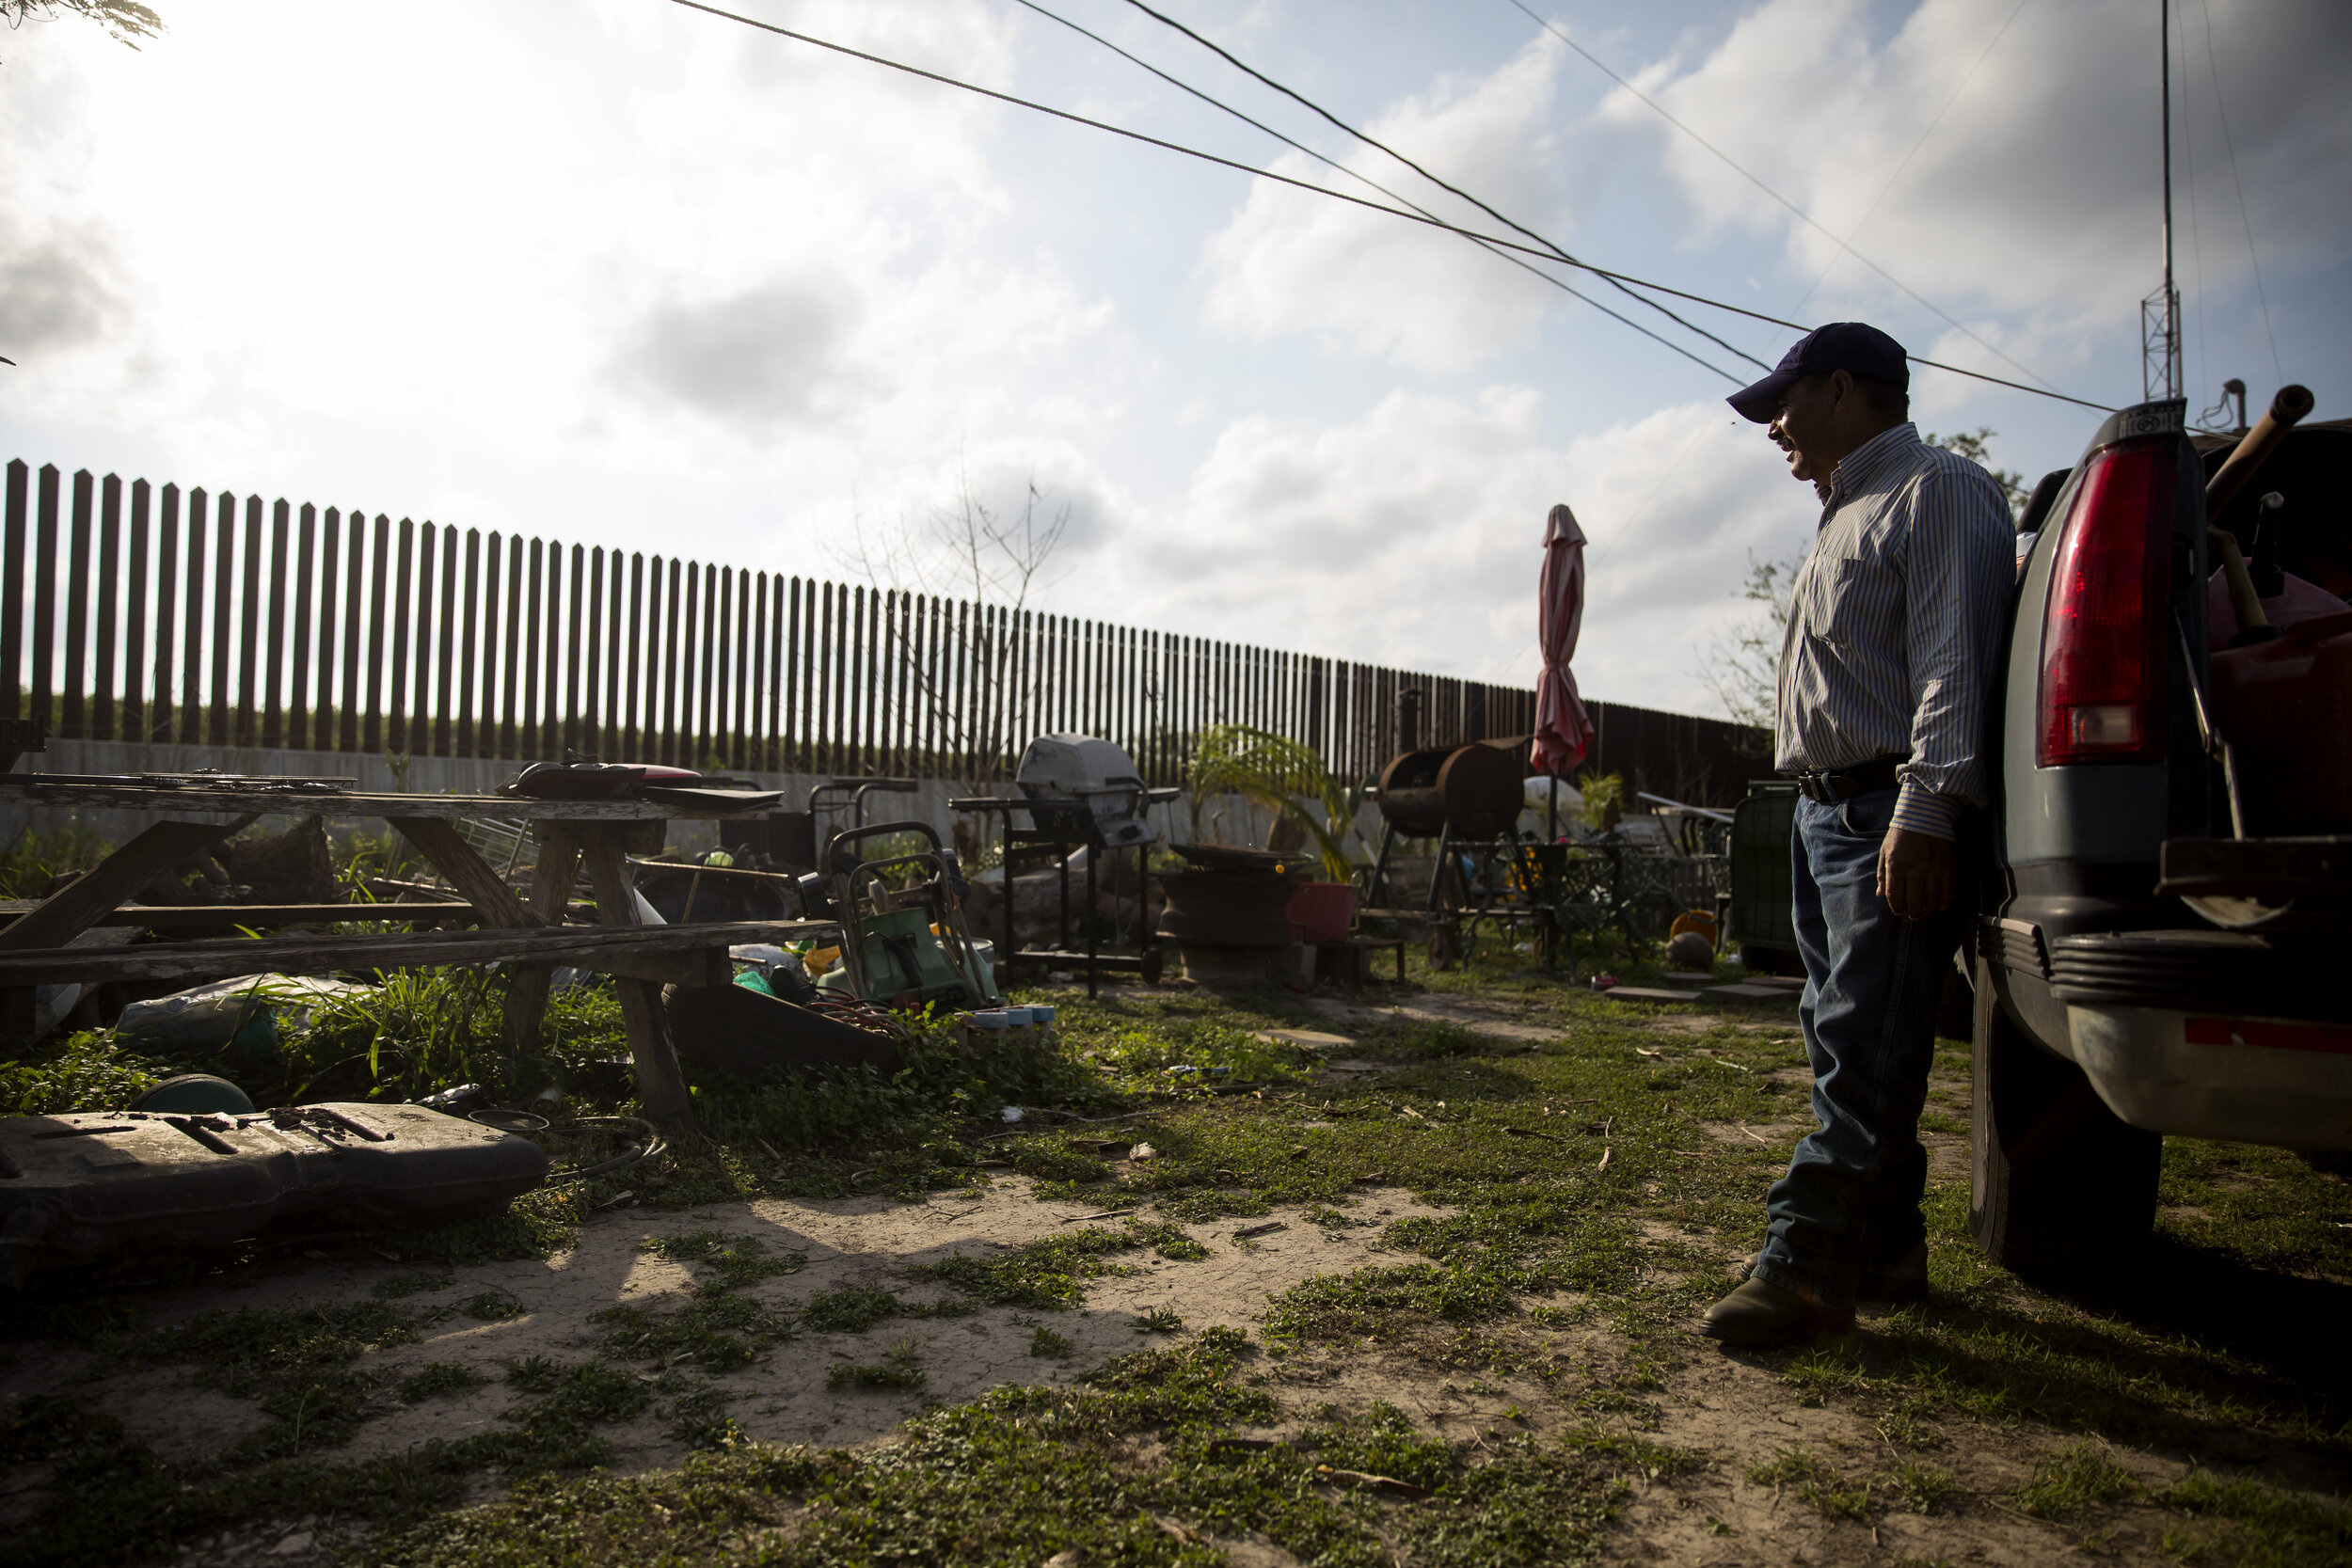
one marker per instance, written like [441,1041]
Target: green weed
[1812,1482]
[899,1368]
[438,1379]
[2072,1481]
[852,1310]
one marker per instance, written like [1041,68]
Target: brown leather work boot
[1900,1283]
[1762,1316]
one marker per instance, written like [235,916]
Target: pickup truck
[2161,947]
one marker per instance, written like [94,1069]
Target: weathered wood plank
[159,917]
[605,948]
[553,873]
[76,907]
[436,839]
[29,790]
[660,1086]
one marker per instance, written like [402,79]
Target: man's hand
[1915,873]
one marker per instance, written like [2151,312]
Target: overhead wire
[2229,144]
[1871,211]
[1521,262]
[1370,141]
[2196,226]
[1408,215]
[1801,214]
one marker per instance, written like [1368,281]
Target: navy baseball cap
[1860,349]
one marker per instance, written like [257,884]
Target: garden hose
[649,1145]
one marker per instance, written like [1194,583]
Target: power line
[1492,240]
[1238,64]
[2229,144]
[1871,211]
[1520,263]
[2196,225]
[1801,215]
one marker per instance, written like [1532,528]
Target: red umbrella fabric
[1563,728]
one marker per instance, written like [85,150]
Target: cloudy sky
[620,273]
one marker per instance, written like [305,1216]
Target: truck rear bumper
[2207,1075]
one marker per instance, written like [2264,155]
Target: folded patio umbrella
[1562,729]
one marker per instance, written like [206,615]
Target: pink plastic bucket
[1323,911]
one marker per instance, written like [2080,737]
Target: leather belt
[1829,786]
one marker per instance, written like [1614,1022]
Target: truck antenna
[2160,312]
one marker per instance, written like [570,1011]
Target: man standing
[1885,679]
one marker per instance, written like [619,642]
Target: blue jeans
[1849,1204]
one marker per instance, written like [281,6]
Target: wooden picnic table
[574,835]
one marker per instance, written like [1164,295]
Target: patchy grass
[1814,1482]
[1596,1181]
[439,1379]
[899,1368]
[2073,1481]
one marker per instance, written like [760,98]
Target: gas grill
[1079,792]
[1087,791]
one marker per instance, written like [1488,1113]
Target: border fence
[139,612]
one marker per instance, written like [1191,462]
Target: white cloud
[2036,193]
[451,248]
[620,274]
[1411,536]
[1291,263]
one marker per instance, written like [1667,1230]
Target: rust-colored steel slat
[274,652]
[473,662]
[42,687]
[73,718]
[107,587]
[298,659]
[12,530]
[135,621]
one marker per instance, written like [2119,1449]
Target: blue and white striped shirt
[1895,628]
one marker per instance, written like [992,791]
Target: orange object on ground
[1699,921]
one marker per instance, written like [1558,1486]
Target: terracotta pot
[1323,911]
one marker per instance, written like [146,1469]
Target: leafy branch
[1282,775]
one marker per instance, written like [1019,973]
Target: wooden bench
[163,917]
[51,943]
[664,954]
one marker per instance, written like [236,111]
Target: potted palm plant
[1233,909]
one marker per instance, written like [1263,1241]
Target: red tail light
[2105,671]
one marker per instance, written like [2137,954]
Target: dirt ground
[1779,1446]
